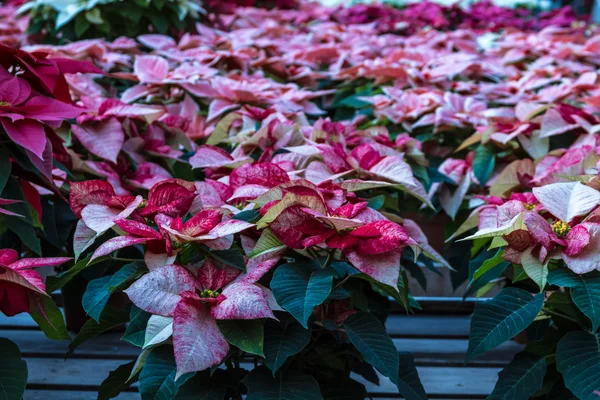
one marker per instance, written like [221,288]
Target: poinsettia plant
[73,20]
[544,245]
[246,195]
[254,264]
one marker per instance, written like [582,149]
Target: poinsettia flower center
[561,228]
[209,294]
[530,207]
[5,104]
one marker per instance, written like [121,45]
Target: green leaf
[376,202]
[301,286]
[267,242]
[585,291]
[409,384]
[537,271]
[23,226]
[221,131]
[369,337]
[232,257]
[99,290]
[13,371]
[501,318]
[81,26]
[483,164]
[343,389]
[157,379]
[116,382]
[283,339]
[247,335]
[489,270]
[5,167]
[248,215]
[54,283]
[291,385]
[489,264]
[520,379]
[203,386]
[136,329]
[48,316]
[111,318]
[577,359]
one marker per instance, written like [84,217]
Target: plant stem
[560,315]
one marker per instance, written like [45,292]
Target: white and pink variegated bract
[196,303]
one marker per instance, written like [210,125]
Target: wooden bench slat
[72,395]
[47,373]
[109,346]
[425,326]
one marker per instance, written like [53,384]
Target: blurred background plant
[67,20]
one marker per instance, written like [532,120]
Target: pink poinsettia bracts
[551,223]
[19,282]
[24,112]
[303,217]
[196,303]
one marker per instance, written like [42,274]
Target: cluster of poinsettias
[486,100]
[288,212]
[555,221]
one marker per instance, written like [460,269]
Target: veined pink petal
[25,263]
[248,192]
[508,211]
[577,239]
[197,340]
[27,133]
[154,261]
[397,170]
[116,243]
[201,223]
[89,192]
[136,92]
[214,275]
[150,68]
[229,227]
[156,41]
[99,218]
[172,197]
[104,139]
[384,268]
[260,265]
[265,174]
[26,278]
[208,156]
[8,256]
[567,200]
[159,291]
[242,301]
[6,212]
[380,237]
[48,109]
[588,259]
[83,238]
[15,90]
[137,229]
[219,107]
[539,228]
